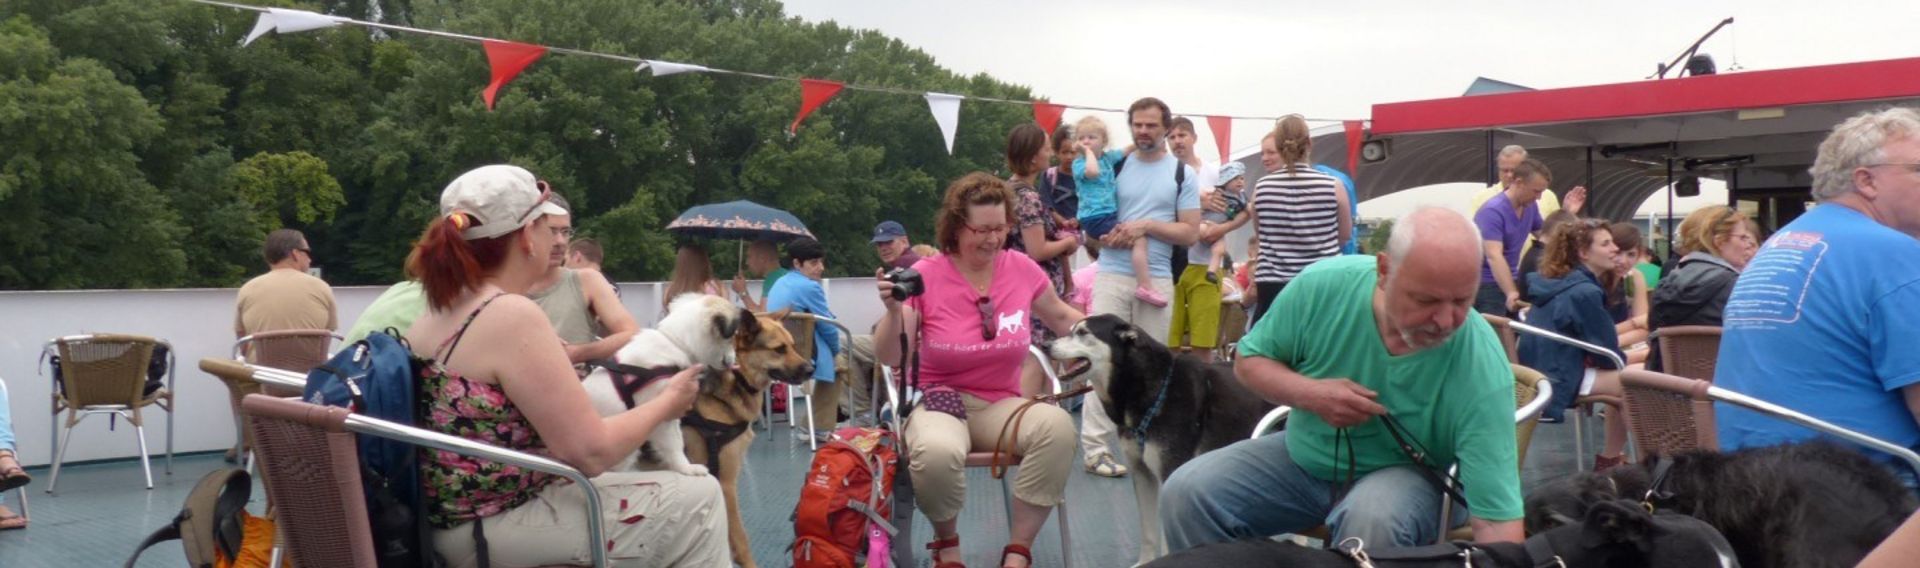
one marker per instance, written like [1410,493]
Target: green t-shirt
[396,308]
[1455,398]
[1652,273]
[766,284]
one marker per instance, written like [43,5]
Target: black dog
[1615,533]
[1168,409]
[1797,505]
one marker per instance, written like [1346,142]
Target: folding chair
[312,462]
[903,546]
[107,374]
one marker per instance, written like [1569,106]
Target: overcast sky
[1334,59]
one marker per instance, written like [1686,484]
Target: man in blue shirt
[799,289]
[1822,320]
[1151,206]
[1352,244]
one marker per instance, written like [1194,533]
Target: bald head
[1429,275]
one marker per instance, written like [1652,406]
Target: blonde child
[1093,173]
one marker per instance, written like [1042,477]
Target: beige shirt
[567,308]
[281,299]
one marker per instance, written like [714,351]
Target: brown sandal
[12,477]
[940,544]
[1016,550]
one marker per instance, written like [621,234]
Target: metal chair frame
[24,514]
[362,425]
[1579,420]
[59,442]
[813,439]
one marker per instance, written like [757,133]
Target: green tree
[79,212]
[1377,240]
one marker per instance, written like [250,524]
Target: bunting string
[285,20]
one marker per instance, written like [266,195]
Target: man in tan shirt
[286,297]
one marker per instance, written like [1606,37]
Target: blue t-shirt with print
[1145,190]
[1822,321]
[1352,244]
[1097,193]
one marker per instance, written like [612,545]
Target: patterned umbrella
[742,220]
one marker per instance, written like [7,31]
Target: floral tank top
[461,488]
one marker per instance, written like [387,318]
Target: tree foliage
[146,147]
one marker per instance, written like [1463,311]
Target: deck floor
[102,511]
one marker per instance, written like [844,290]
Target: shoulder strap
[446,349]
[1120,164]
[214,505]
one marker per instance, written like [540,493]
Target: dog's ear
[1126,333]
[726,325]
[1616,523]
[749,325]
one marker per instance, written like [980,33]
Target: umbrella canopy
[743,220]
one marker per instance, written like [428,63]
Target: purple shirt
[1498,223]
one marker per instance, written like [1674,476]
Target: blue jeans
[1253,489]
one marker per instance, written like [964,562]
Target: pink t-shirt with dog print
[954,351]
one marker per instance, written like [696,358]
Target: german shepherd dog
[1797,505]
[1168,409]
[719,428]
[1613,534]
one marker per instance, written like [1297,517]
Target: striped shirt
[1298,218]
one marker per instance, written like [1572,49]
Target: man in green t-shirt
[1356,339]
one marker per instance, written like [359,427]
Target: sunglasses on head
[546,194]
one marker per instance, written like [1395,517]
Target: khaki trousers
[939,443]
[677,520]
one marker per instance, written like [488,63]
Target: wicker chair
[1233,326]
[1668,413]
[297,350]
[312,459]
[1531,391]
[801,325]
[107,374]
[1689,351]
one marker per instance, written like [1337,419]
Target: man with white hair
[1374,349]
[1822,318]
[1508,159]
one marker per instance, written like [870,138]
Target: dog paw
[691,470]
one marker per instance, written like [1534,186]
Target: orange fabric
[256,546]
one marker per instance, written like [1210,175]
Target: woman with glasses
[972,325]
[1568,299]
[498,376]
[1718,243]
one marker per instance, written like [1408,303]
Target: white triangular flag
[946,111]
[289,21]
[665,68]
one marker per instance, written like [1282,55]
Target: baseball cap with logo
[499,199]
[887,231]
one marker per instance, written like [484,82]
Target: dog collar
[1140,430]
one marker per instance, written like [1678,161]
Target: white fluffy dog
[697,330]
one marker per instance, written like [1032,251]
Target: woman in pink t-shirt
[973,323]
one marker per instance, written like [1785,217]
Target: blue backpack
[377,377]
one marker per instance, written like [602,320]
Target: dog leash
[1418,453]
[1009,438]
[1140,430]
[1661,467]
[1539,552]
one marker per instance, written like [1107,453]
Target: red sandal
[1016,550]
[940,544]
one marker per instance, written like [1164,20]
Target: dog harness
[628,379]
[716,434]
[1140,430]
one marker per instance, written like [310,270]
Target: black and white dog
[1613,534]
[1168,409]
[1800,505]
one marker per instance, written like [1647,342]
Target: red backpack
[848,493]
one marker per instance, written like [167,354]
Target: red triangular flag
[1222,127]
[1048,114]
[508,59]
[813,93]
[1355,137]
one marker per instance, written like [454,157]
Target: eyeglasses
[987,329]
[306,251]
[562,232]
[984,231]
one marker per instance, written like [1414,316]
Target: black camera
[906,283]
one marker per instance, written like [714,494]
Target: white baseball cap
[499,198]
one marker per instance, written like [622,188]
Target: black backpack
[1179,259]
